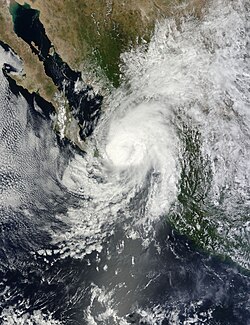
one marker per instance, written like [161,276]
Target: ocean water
[151,224]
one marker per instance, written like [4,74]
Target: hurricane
[150,225]
[186,96]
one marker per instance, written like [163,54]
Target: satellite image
[125,162]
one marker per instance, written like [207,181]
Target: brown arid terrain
[35,78]
[94,31]
[89,35]
[102,29]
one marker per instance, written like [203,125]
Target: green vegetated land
[94,31]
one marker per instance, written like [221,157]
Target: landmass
[88,32]
[89,36]
[34,78]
